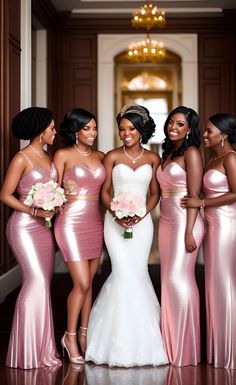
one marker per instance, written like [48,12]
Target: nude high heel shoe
[74,360]
[82,332]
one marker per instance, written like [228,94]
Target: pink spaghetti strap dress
[220,274]
[180,319]
[32,343]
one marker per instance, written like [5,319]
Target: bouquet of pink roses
[46,196]
[127,204]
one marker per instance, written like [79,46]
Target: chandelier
[147,50]
[148,16]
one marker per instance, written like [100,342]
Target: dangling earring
[76,139]
[187,135]
[222,142]
[40,138]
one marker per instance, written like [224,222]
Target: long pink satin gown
[180,319]
[32,343]
[220,274]
[79,228]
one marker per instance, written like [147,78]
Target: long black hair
[193,138]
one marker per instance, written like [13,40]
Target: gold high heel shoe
[82,332]
[74,360]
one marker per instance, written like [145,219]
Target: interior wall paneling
[215,74]
[79,72]
[10,105]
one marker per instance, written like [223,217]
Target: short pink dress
[79,228]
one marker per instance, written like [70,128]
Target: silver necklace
[130,157]
[39,153]
[84,153]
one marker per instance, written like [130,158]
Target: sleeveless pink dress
[180,319]
[79,228]
[32,343]
[220,274]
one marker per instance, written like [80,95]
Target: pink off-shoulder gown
[220,274]
[32,343]
[180,319]
[79,228]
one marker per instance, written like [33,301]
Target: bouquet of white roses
[46,196]
[127,204]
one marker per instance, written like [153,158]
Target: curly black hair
[146,127]
[193,138]
[31,122]
[74,120]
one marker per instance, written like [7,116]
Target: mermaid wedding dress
[124,322]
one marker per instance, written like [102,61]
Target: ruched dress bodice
[180,319]
[116,327]
[220,273]
[79,229]
[32,343]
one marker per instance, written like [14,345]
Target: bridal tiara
[135,109]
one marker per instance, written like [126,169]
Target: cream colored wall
[185,45]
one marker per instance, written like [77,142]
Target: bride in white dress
[124,326]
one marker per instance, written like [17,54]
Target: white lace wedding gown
[124,322]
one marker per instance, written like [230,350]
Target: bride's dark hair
[141,119]
[193,138]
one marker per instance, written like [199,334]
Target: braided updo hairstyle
[193,138]
[226,124]
[74,120]
[141,120]
[31,122]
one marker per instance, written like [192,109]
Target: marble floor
[89,374]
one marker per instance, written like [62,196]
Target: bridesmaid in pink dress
[32,343]
[79,229]
[180,236]
[219,185]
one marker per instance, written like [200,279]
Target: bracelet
[203,204]
[33,211]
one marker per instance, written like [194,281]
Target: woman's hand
[134,220]
[193,202]
[190,243]
[44,213]
[127,222]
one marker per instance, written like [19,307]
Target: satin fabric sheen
[180,319]
[220,274]
[79,229]
[32,343]
[124,327]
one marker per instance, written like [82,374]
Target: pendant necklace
[130,157]
[84,153]
[39,153]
